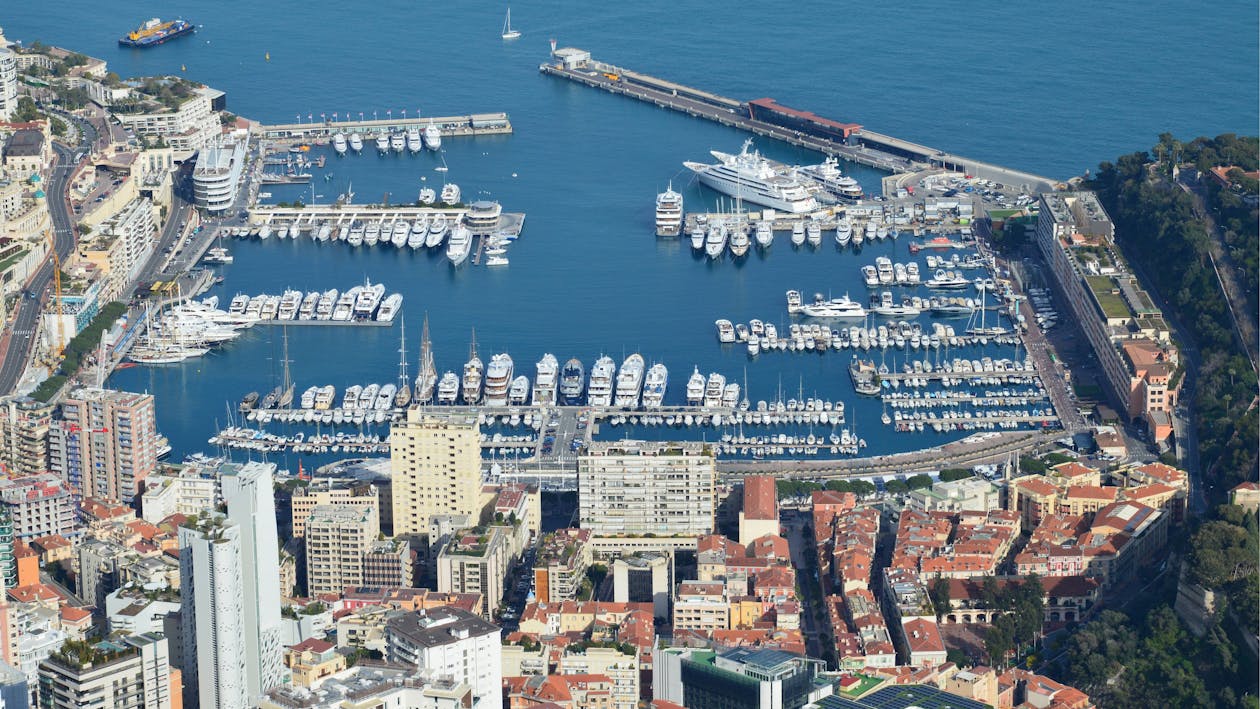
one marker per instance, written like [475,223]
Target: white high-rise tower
[231,603]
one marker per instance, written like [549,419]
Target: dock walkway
[451,126]
[862,146]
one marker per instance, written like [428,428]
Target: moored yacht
[669,212]
[545,380]
[713,388]
[356,142]
[695,388]
[600,390]
[654,386]
[750,177]
[339,145]
[413,140]
[459,245]
[518,392]
[432,137]
[473,370]
[498,379]
[382,142]
[630,382]
[397,142]
[436,234]
[448,388]
[450,194]
[572,382]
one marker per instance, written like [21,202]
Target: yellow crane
[60,345]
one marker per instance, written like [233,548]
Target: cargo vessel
[155,32]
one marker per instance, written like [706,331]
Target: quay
[766,117]
[322,131]
[341,215]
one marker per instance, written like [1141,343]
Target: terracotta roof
[760,497]
[1091,492]
[313,645]
[1073,469]
[922,635]
[1037,486]
[1249,485]
[72,614]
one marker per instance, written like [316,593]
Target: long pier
[451,126]
[849,141]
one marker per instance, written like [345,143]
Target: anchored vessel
[155,32]
[751,178]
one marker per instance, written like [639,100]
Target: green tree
[952,474]
[939,593]
[896,487]
[918,482]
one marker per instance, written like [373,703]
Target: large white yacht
[669,212]
[695,388]
[630,381]
[458,246]
[473,370]
[828,176]
[750,177]
[545,380]
[654,386]
[432,137]
[498,379]
[600,390]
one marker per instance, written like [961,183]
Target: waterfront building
[436,470]
[132,672]
[635,488]
[220,167]
[38,505]
[343,493]
[337,541]
[760,515]
[106,443]
[24,426]
[474,562]
[975,494]
[561,563]
[701,679]
[190,126]
[8,83]
[453,643]
[1126,330]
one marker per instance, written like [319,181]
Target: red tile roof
[760,497]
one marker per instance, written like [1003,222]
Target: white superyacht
[751,177]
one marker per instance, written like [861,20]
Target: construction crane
[60,345]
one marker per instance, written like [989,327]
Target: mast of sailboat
[404,381]
[286,391]
[426,378]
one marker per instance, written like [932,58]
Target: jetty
[766,117]
[322,130]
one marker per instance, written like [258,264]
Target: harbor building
[636,488]
[454,643]
[220,167]
[8,83]
[106,443]
[190,125]
[230,590]
[24,427]
[1125,329]
[736,678]
[337,539]
[132,672]
[435,464]
[343,493]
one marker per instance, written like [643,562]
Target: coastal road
[22,327]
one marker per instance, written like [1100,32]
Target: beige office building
[646,487]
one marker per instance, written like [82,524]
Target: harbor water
[587,276]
